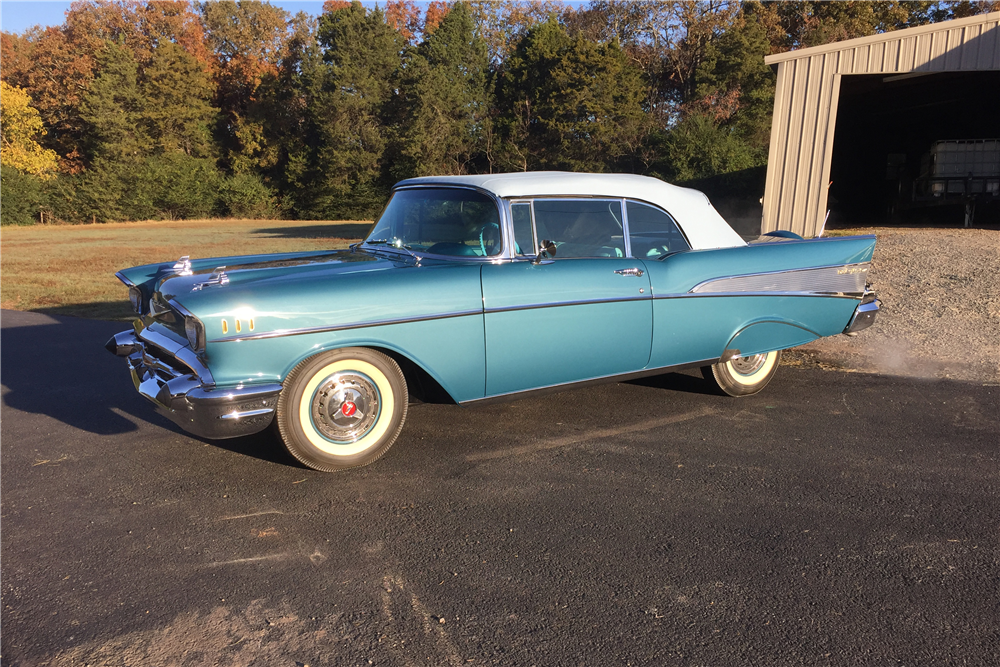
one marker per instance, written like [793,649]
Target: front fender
[450,350]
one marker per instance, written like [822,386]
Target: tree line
[170,109]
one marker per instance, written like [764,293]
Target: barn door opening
[917,149]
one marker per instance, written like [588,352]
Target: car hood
[235,274]
[266,294]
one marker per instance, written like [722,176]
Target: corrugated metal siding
[808,90]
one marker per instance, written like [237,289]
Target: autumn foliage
[171,108]
[20,129]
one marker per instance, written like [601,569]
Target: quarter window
[581,227]
[652,232]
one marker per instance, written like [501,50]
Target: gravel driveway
[940,315]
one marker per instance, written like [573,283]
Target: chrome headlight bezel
[135,298]
[194,329]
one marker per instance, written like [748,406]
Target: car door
[584,313]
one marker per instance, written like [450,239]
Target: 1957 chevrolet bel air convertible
[472,288]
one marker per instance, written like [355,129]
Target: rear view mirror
[545,249]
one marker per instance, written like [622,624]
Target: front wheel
[743,376]
[342,409]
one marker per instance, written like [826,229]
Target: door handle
[629,272]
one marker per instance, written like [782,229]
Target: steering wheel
[489,234]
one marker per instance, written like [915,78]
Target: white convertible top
[702,224]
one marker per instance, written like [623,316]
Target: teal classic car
[474,288]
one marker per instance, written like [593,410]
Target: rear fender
[767,336]
[755,298]
[683,272]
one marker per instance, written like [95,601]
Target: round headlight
[195,332]
[135,296]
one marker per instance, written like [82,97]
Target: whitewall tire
[743,376]
[342,409]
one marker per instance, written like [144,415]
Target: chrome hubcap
[345,407]
[748,365]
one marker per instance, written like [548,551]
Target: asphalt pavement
[834,519]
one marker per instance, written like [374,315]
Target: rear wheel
[342,409]
[743,376]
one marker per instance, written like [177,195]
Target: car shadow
[264,446]
[57,366]
[688,381]
[118,310]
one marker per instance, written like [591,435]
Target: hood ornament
[183,266]
[218,277]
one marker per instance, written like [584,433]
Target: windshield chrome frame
[503,213]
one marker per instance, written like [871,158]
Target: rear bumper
[181,388]
[864,314]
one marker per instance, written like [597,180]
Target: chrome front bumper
[864,314]
[181,387]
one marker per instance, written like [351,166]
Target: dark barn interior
[886,125]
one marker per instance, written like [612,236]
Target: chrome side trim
[837,279]
[688,295]
[280,333]
[556,304]
[620,377]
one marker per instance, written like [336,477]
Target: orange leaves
[404,16]
[436,11]
[139,26]
[331,6]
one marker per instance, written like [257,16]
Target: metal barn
[875,125]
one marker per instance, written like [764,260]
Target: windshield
[440,221]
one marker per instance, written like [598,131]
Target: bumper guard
[864,314]
[181,388]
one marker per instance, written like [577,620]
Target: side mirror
[545,249]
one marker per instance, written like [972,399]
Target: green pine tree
[570,103]
[113,108]
[733,84]
[178,115]
[446,99]
[349,94]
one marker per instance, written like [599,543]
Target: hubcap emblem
[345,406]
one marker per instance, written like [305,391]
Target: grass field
[69,269]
